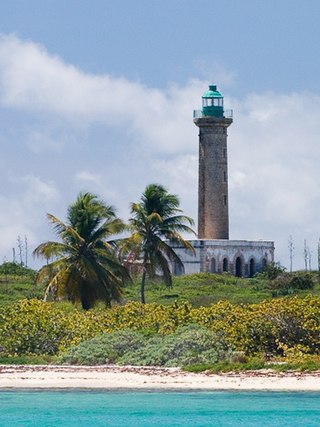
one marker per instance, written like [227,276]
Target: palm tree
[156,222]
[84,267]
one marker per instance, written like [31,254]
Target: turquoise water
[125,409]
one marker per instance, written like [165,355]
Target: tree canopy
[157,223]
[83,265]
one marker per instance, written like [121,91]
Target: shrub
[287,283]
[270,328]
[271,271]
[36,327]
[104,348]
[265,327]
[188,345]
[14,269]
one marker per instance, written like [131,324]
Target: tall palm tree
[156,223]
[84,267]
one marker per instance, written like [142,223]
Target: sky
[98,96]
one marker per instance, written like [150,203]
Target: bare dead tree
[26,250]
[309,258]
[20,249]
[291,250]
[305,254]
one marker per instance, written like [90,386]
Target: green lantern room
[212,103]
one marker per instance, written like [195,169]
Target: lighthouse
[213,122]
[214,251]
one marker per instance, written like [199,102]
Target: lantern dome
[212,102]
[212,92]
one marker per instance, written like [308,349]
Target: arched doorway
[178,269]
[264,263]
[238,267]
[225,265]
[213,265]
[252,267]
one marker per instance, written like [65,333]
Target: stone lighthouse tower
[213,121]
[214,252]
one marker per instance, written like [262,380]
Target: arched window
[238,267]
[263,263]
[213,265]
[252,267]
[225,264]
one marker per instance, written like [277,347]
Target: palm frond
[107,229]
[157,218]
[49,249]
[86,267]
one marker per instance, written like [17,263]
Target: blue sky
[98,95]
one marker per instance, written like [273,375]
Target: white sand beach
[144,378]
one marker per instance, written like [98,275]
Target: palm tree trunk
[85,302]
[143,281]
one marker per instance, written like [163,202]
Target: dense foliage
[275,328]
[83,264]
[9,269]
[157,223]
[288,283]
[192,344]
[203,320]
[18,282]
[202,289]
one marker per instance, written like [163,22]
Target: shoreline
[145,378]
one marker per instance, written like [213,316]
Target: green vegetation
[200,289]
[188,344]
[32,359]
[14,270]
[17,282]
[204,289]
[284,329]
[310,364]
[104,348]
[155,219]
[84,267]
[201,322]
[204,322]
[286,283]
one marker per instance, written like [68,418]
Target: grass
[200,289]
[253,365]
[217,368]
[14,288]
[204,289]
[27,360]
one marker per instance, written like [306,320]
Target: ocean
[137,408]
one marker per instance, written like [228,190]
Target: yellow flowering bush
[279,327]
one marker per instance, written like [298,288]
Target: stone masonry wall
[238,257]
[213,216]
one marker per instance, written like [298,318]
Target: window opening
[239,267]
[213,266]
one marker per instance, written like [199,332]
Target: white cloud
[273,148]
[23,212]
[38,189]
[89,177]
[41,140]
[33,80]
